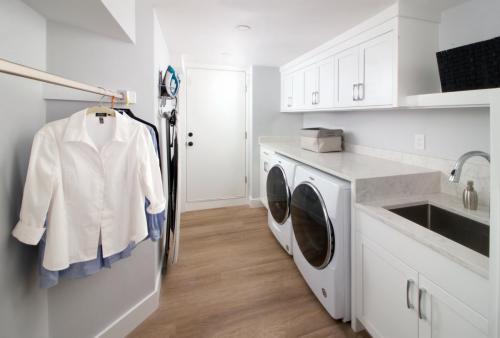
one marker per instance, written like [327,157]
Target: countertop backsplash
[477,170]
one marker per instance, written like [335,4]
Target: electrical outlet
[419,141]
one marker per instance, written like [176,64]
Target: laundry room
[234,168]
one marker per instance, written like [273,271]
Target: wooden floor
[234,280]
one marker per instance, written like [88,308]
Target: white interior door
[215,135]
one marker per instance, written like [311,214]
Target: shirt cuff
[28,234]
[155,208]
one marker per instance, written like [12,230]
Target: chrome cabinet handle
[421,293]
[354,95]
[313,96]
[289,101]
[409,282]
[317,97]
[361,86]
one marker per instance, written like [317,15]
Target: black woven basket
[474,66]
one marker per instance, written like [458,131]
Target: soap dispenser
[470,196]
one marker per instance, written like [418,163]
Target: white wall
[124,13]
[23,305]
[84,307]
[473,21]
[266,118]
[448,132]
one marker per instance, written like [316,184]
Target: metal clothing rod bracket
[12,68]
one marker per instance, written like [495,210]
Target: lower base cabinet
[388,294]
[443,316]
[394,300]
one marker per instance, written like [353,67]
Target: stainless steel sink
[462,230]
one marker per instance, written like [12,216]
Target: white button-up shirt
[88,181]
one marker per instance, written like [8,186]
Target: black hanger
[129,113]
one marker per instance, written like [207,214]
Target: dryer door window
[278,194]
[311,225]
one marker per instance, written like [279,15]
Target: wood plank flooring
[234,280]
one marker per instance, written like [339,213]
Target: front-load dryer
[320,213]
[279,188]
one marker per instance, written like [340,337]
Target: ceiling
[204,31]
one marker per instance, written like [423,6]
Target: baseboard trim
[255,203]
[191,206]
[128,321]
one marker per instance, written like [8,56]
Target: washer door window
[278,194]
[311,225]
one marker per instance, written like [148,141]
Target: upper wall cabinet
[374,65]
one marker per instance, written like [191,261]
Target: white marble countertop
[450,249]
[345,165]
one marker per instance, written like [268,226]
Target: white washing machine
[279,187]
[320,213]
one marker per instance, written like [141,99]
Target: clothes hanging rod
[12,68]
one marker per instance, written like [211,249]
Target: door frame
[182,128]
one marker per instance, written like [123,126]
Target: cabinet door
[310,86]
[264,169]
[346,69]
[443,316]
[388,291]
[376,71]
[287,92]
[298,90]
[326,84]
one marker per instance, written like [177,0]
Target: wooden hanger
[102,109]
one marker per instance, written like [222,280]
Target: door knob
[190,144]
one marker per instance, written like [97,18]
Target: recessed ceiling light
[243,28]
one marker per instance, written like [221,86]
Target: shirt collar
[76,129]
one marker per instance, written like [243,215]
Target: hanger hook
[102,97]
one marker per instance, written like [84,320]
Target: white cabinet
[442,315]
[347,70]
[311,77]
[292,91]
[365,74]
[361,76]
[397,301]
[376,75]
[326,84]
[319,85]
[287,92]
[388,294]
[405,289]
[298,98]
[265,157]
[373,65]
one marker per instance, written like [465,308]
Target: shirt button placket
[101,198]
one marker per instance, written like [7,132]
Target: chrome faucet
[457,170]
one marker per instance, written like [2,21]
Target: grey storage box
[321,140]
